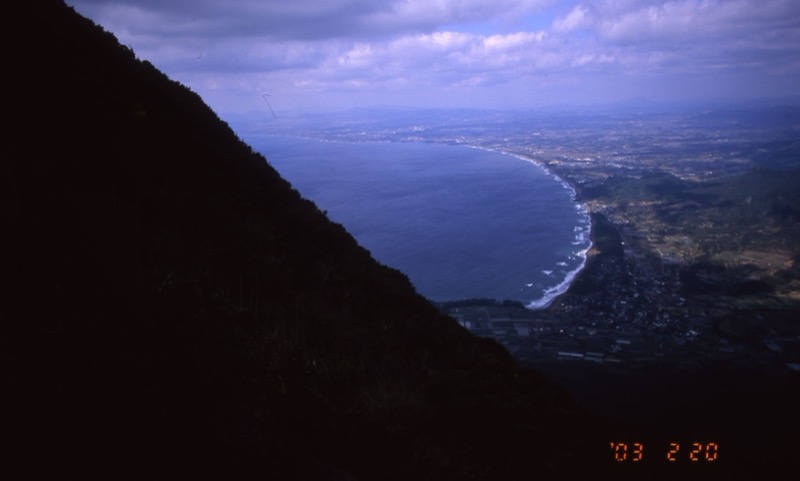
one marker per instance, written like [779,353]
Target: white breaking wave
[582,238]
[553,292]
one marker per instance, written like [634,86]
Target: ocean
[460,222]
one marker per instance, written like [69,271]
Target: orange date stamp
[694,452]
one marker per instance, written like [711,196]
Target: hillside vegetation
[745,226]
[168,298]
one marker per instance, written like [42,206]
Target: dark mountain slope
[168,298]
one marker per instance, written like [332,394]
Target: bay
[460,222]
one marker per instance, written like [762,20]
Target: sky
[322,55]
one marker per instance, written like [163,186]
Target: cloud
[442,59]
[575,19]
[680,21]
[427,14]
[435,50]
[297,19]
[688,34]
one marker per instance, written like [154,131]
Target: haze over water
[460,222]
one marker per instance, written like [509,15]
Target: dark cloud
[296,19]
[423,50]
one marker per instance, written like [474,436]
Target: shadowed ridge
[172,300]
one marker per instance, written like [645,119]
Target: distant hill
[169,299]
[755,210]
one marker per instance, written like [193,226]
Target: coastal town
[687,266]
[673,278]
[682,325]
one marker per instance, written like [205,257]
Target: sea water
[460,222]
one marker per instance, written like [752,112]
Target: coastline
[591,278]
[554,294]
[537,291]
